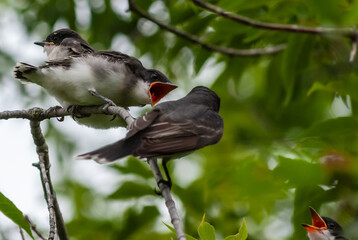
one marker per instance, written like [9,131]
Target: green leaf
[131,190]
[242,234]
[243,231]
[135,166]
[206,230]
[294,61]
[188,237]
[9,209]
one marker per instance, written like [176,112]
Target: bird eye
[154,76]
[331,225]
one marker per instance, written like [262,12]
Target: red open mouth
[317,222]
[158,90]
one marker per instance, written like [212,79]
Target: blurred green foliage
[290,138]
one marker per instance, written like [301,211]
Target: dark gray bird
[171,129]
[75,69]
[323,228]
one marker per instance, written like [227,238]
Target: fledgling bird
[323,228]
[170,130]
[75,68]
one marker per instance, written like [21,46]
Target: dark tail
[112,152]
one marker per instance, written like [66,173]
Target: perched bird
[170,130]
[75,71]
[323,228]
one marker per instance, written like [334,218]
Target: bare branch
[55,215]
[346,32]
[21,233]
[194,39]
[169,202]
[39,114]
[33,228]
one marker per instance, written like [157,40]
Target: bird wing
[112,55]
[63,62]
[142,122]
[77,47]
[166,138]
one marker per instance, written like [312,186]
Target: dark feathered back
[205,96]
[171,129]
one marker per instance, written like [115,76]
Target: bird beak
[43,43]
[158,90]
[317,222]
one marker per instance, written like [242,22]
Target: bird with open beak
[323,228]
[75,71]
[170,130]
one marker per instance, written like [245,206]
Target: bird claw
[54,110]
[74,110]
[167,183]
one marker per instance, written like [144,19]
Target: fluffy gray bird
[171,129]
[323,228]
[75,71]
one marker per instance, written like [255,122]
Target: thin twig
[346,32]
[22,233]
[56,221]
[169,202]
[33,228]
[194,39]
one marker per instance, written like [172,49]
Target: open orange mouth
[317,222]
[158,90]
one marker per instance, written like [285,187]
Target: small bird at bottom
[170,130]
[323,228]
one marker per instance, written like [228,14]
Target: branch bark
[57,225]
[194,39]
[33,228]
[345,32]
[169,202]
[39,114]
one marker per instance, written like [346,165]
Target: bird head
[61,37]
[323,228]
[159,85]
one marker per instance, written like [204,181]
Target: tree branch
[194,39]
[39,114]
[169,202]
[345,32]
[55,215]
[33,228]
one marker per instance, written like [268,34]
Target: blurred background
[290,138]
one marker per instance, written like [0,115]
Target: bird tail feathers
[109,153]
[21,69]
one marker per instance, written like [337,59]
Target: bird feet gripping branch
[167,182]
[55,110]
[75,112]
